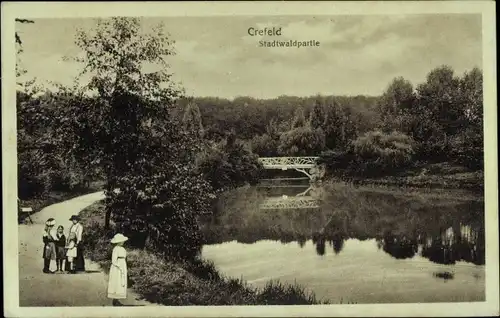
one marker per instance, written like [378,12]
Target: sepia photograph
[197,159]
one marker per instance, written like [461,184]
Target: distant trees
[250,117]
[440,115]
[440,120]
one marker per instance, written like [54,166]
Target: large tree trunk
[107,219]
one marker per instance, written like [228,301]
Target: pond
[350,244]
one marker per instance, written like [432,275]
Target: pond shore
[178,283]
[427,177]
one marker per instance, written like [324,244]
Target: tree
[45,137]
[264,145]
[397,98]
[192,120]
[153,191]
[302,141]
[299,119]
[467,144]
[339,128]
[439,96]
[471,90]
[317,117]
[436,117]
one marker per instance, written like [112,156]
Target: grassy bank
[432,176]
[38,203]
[172,282]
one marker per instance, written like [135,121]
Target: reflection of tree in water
[333,232]
[319,240]
[398,246]
[456,244]
[301,239]
[286,238]
[337,242]
[408,224]
[438,252]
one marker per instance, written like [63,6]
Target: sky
[357,55]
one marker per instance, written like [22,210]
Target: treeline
[439,120]
[249,117]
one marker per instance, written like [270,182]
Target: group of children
[66,249]
[58,248]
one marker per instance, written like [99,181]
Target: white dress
[71,252]
[117,285]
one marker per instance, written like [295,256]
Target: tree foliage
[192,122]
[153,191]
[302,141]
[398,98]
[229,164]
[378,153]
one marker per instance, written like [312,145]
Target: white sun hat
[119,238]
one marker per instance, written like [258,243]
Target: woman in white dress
[117,285]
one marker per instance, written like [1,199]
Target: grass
[169,282]
[429,176]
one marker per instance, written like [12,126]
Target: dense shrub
[336,161]
[229,164]
[302,141]
[264,145]
[378,153]
[467,148]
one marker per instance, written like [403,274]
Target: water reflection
[462,243]
[399,247]
[443,231]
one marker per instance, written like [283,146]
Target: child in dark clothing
[60,248]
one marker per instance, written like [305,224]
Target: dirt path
[39,289]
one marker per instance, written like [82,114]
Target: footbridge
[296,163]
